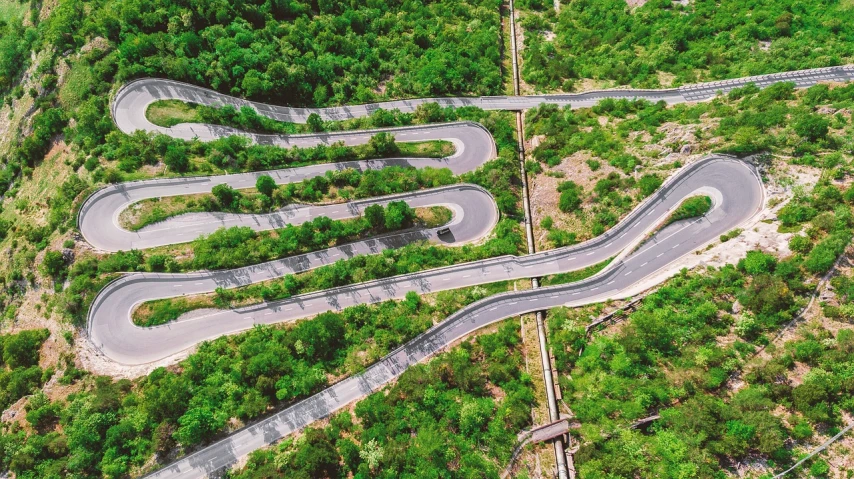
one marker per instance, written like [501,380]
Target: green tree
[314,122]
[812,127]
[54,263]
[375,214]
[197,425]
[226,195]
[383,144]
[266,185]
[398,215]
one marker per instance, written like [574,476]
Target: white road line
[570,259]
[644,264]
[627,273]
[197,284]
[446,279]
[467,276]
[588,254]
[177,285]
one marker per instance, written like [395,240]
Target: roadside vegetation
[663,43]
[113,428]
[688,356]
[448,417]
[600,162]
[692,207]
[391,262]
[333,187]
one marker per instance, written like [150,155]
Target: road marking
[594,289]
[197,284]
[514,302]
[551,262]
[288,309]
[588,254]
[493,309]
[177,285]
[659,256]
[574,294]
[336,254]
[570,259]
[467,276]
[267,314]
[650,212]
[308,304]
[644,264]
[531,300]
[627,273]
[529,267]
[610,282]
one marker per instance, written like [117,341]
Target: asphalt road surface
[99,216]
[132,99]
[733,185]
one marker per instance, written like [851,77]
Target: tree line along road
[733,184]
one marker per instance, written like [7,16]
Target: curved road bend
[132,99]
[98,217]
[733,185]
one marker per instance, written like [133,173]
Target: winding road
[734,186]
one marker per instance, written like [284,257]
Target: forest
[664,43]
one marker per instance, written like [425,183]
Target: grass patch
[789,228]
[577,275]
[168,113]
[162,311]
[426,149]
[433,216]
[732,234]
[692,207]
